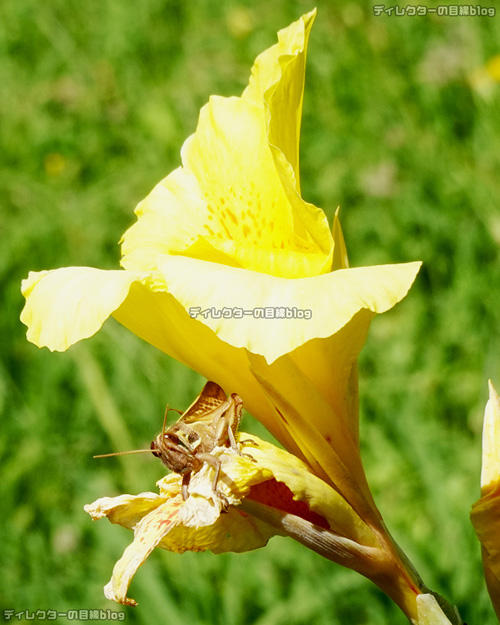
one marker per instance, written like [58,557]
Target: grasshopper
[212,420]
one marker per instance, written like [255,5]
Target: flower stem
[387,566]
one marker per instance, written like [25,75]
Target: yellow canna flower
[485,514]
[231,272]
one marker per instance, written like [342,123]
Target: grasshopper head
[174,455]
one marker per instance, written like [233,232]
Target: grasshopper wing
[208,407]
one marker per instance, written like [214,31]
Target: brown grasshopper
[212,420]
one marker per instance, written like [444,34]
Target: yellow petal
[66,305]
[322,437]
[278,76]
[225,207]
[330,364]
[305,486]
[170,220]
[340,259]
[126,510]
[322,304]
[253,221]
[277,79]
[157,521]
[148,533]
[202,526]
[490,473]
[485,513]
[240,477]
[262,464]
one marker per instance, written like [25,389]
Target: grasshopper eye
[154,449]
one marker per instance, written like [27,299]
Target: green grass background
[97,98]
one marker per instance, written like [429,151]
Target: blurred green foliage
[401,128]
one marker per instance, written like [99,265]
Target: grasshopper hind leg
[236,448]
[223,428]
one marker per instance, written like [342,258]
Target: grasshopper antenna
[140,451]
[123,453]
[164,422]
[165,418]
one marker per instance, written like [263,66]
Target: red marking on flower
[279,496]
[281,416]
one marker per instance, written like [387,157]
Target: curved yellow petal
[225,207]
[490,471]
[147,535]
[170,220]
[125,510]
[262,464]
[272,316]
[305,486]
[485,513]
[234,531]
[252,215]
[66,305]
[277,79]
[323,368]
[157,522]
[323,438]
[340,259]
